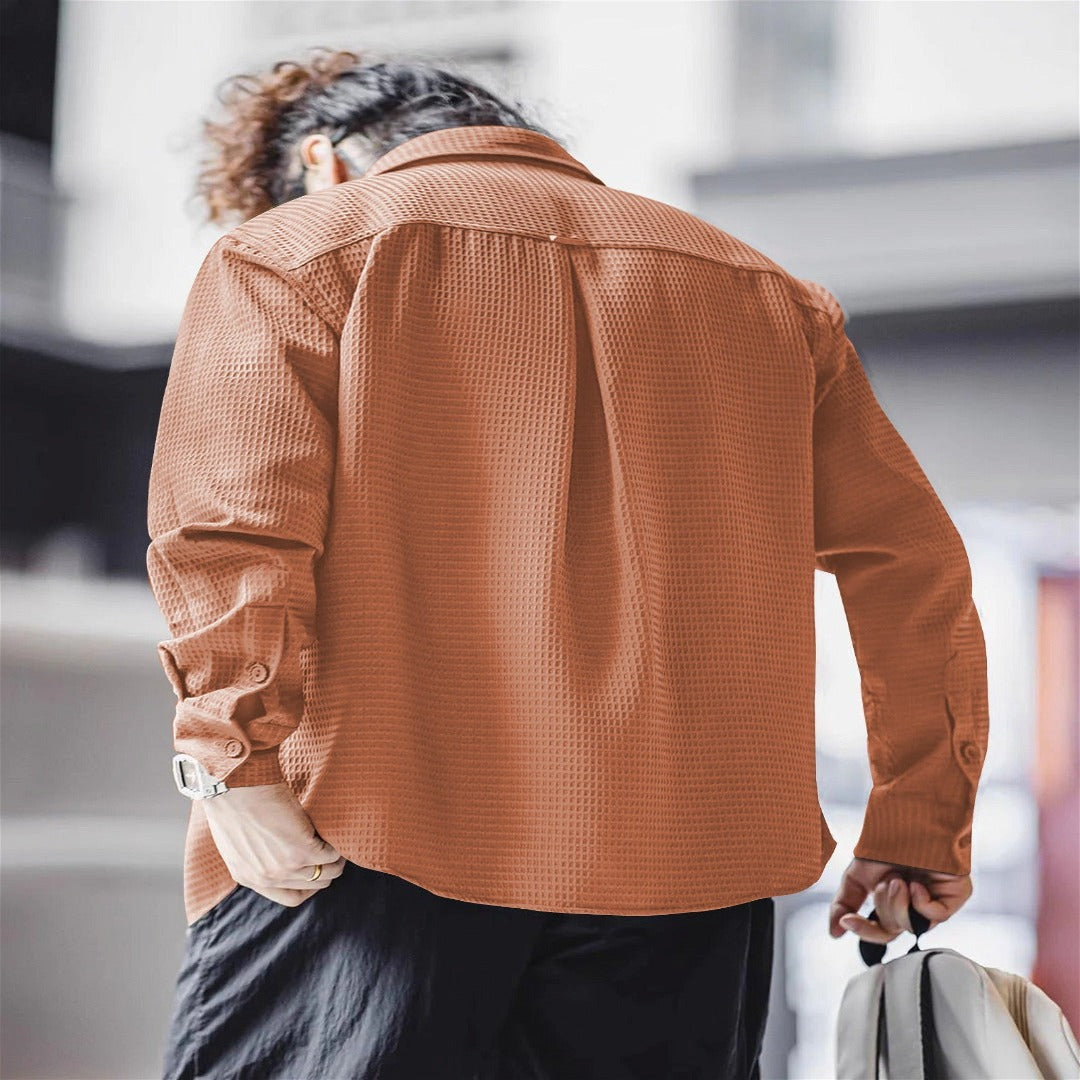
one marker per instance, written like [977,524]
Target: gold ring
[318,871]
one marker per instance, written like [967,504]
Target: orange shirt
[484,511]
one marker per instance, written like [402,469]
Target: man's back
[510,529]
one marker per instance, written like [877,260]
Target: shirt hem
[775,887]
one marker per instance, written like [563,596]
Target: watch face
[188,773]
[193,780]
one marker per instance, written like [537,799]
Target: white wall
[132,79]
[923,76]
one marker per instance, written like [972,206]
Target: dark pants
[376,978]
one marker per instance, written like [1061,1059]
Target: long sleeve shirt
[485,510]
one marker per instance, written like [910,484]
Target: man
[484,511]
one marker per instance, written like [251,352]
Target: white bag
[935,1014]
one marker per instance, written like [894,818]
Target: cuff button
[970,753]
[258,671]
[234,748]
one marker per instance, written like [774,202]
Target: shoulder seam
[811,306]
[822,308]
[286,273]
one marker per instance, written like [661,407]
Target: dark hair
[379,103]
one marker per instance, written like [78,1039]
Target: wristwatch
[193,780]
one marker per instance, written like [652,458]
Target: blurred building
[919,161]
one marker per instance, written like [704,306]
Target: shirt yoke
[318,235]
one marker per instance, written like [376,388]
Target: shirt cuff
[920,832]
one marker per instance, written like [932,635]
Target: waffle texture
[484,511]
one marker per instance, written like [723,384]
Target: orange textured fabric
[485,509]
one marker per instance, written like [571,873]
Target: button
[970,753]
[258,671]
[234,748]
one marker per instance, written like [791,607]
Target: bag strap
[910,1027]
[873,952]
[927,1023]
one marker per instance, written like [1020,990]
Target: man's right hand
[269,843]
[932,893]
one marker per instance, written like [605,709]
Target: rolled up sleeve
[904,578]
[238,506]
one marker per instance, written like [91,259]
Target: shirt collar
[481,140]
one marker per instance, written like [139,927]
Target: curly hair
[254,162]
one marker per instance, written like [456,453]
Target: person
[484,512]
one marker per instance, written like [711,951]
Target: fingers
[323,851]
[867,930]
[936,910]
[849,898]
[887,894]
[888,891]
[301,879]
[296,879]
[889,922]
[891,903]
[295,889]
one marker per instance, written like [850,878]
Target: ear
[317,154]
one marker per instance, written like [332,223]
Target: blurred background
[918,159]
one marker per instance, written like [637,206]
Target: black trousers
[375,978]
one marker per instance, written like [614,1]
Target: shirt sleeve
[238,508]
[905,582]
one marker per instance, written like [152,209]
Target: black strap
[873,952]
[926,1018]
[927,1023]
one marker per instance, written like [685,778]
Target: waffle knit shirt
[484,511]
